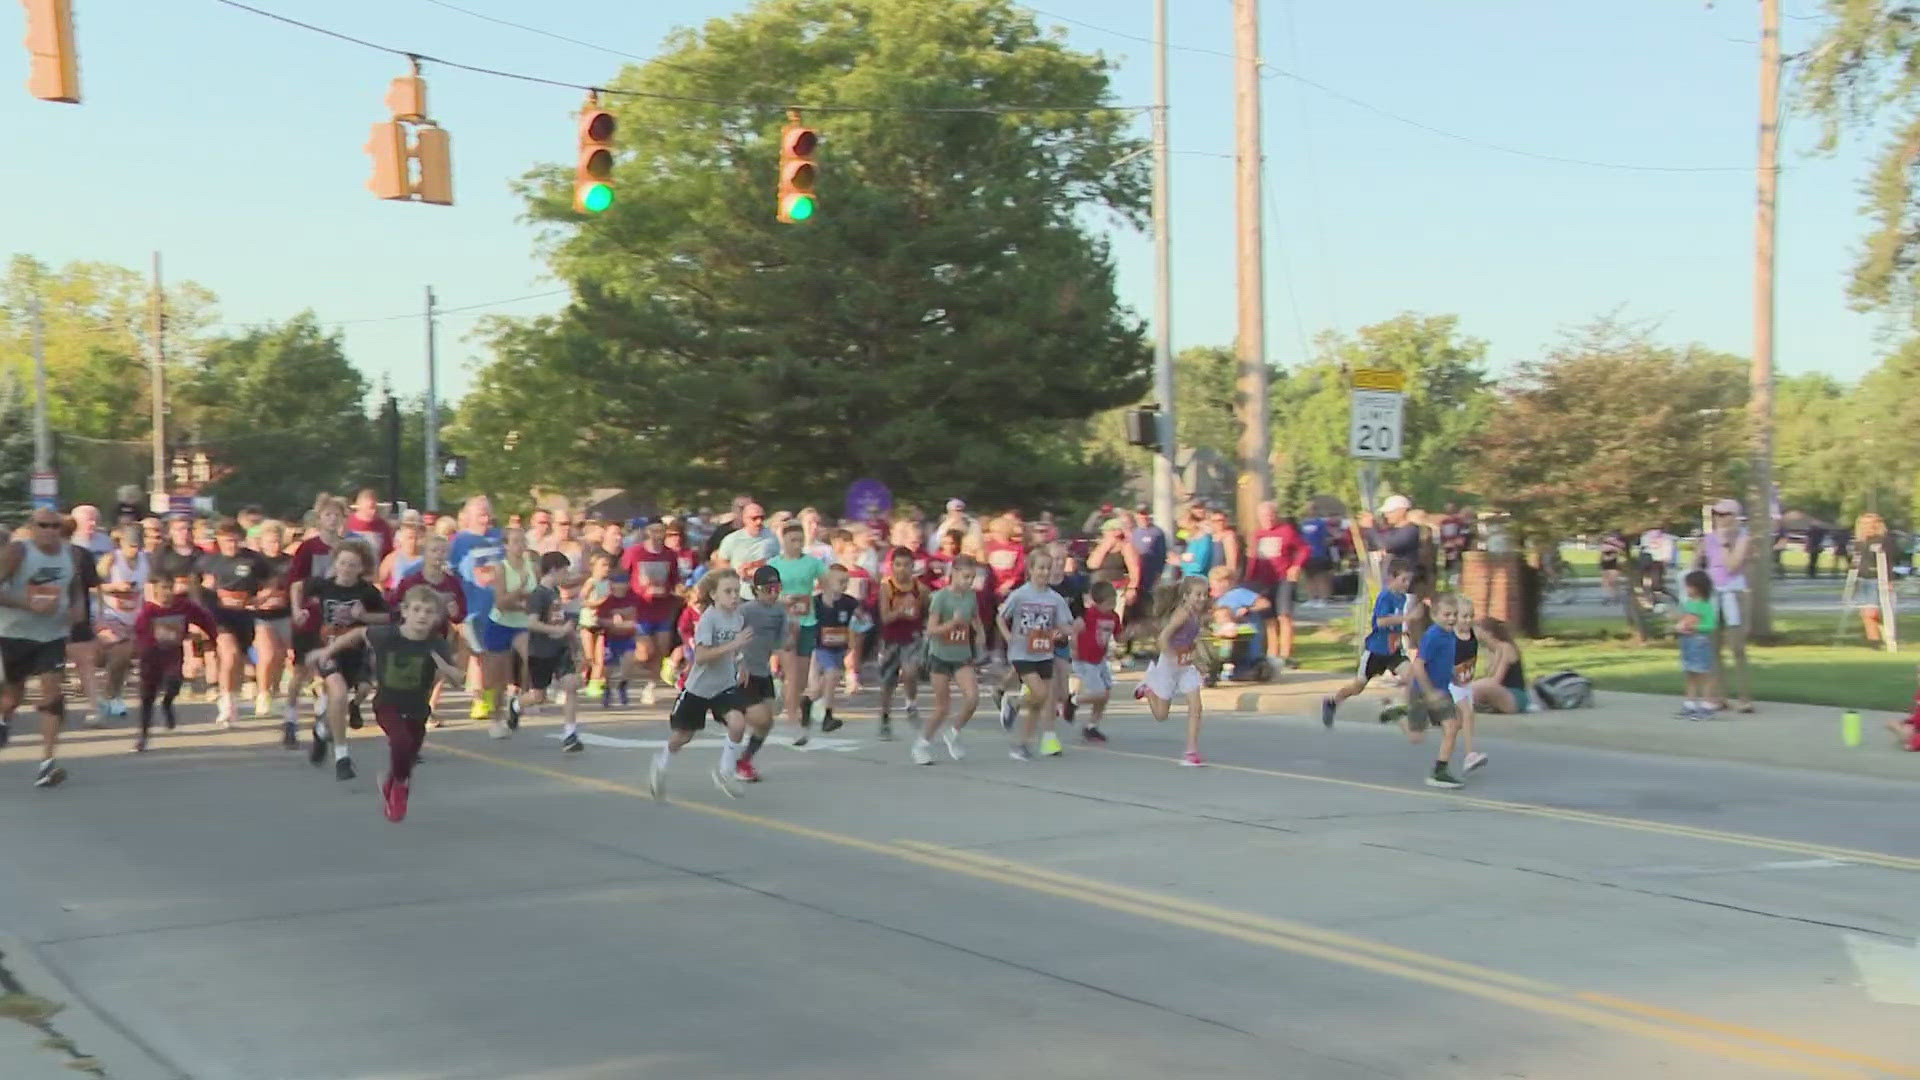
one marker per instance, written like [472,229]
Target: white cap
[956,504]
[1727,506]
[1396,502]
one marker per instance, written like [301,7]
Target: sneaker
[830,723]
[922,752]
[99,714]
[624,702]
[913,715]
[571,744]
[395,795]
[1009,711]
[1441,778]
[1326,713]
[513,712]
[745,771]
[802,738]
[1475,760]
[1050,745]
[5,732]
[289,736]
[1140,692]
[1192,759]
[221,723]
[648,695]
[656,780]
[317,752]
[481,709]
[50,774]
[1094,736]
[354,720]
[1019,752]
[139,744]
[499,730]
[343,768]
[954,749]
[725,783]
[886,731]
[1068,709]
[262,705]
[1689,712]
[606,697]
[595,688]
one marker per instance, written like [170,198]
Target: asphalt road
[1303,908]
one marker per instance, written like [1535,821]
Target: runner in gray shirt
[773,632]
[712,684]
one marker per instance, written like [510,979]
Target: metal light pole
[430,499]
[1164,463]
[42,435]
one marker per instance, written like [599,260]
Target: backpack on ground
[1564,690]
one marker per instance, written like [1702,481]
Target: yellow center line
[1649,1021]
[1585,817]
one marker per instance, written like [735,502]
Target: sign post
[44,487]
[1374,429]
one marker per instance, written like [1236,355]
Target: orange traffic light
[798,174]
[55,72]
[593,171]
[395,173]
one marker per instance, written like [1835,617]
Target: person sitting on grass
[1503,689]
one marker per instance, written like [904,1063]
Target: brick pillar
[1494,583]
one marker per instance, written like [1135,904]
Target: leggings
[159,677]
[404,736]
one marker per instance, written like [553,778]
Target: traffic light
[55,71]
[797,172]
[395,175]
[593,172]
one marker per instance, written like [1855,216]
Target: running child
[407,660]
[334,607]
[436,573]
[619,618]
[593,593]
[124,573]
[772,632]
[1906,733]
[513,583]
[1180,616]
[160,637]
[654,573]
[833,616]
[233,576]
[1384,653]
[800,575]
[1099,625]
[953,631]
[1466,659]
[1032,619]
[713,686]
[903,642]
[1699,618]
[550,648]
[1429,699]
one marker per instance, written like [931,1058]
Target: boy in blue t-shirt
[1384,654]
[1429,701]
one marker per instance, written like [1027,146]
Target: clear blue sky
[233,144]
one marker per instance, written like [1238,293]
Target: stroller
[1236,649]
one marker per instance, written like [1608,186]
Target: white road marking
[615,742]
[1889,971]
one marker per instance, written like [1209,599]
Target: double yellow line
[1732,1042]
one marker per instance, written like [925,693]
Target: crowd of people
[740,617]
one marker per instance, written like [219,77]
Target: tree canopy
[946,322]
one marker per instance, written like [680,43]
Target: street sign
[1379,415]
[44,487]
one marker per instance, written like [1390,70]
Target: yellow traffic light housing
[593,169]
[416,171]
[798,174]
[55,71]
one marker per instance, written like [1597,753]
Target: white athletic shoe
[1475,760]
[723,779]
[954,749]
[922,751]
[648,696]
[499,730]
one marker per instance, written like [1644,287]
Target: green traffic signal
[800,208]
[596,198]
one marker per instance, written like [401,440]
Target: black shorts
[758,688]
[690,710]
[349,664]
[23,658]
[1042,668]
[543,670]
[234,621]
[1377,665]
[1319,564]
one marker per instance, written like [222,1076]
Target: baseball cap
[956,504]
[765,576]
[1730,507]
[1396,502]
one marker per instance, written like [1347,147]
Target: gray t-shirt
[543,603]
[769,623]
[1030,610]
[715,677]
[744,552]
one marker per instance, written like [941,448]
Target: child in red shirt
[160,636]
[1906,733]
[1099,625]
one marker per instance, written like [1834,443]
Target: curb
[119,1055]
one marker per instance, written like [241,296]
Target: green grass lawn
[1801,666]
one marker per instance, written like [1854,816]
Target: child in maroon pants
[406,660]
[159,636]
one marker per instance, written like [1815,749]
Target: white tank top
[122,572]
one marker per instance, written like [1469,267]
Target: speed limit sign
[1379,415]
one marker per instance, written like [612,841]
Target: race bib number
[959,635]
[1269,547]
[833,637]
[799,606]
[43,596]
[906,609]
[329,632]
[1039,641]
[1184,656]
[267,599]
[166,633]
[232,598]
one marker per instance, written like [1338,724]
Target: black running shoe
[354,719]
[886,731]
[6,732]
[289,736]
[830,722]
[317,752]
[572,744]
[513,710]
[343,768]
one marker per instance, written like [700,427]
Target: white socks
[730,755]
[570,727]
[663,759]
[340,752]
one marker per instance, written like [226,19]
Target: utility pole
[1256,467]
[390,429]
[158,387]
[1164,463]
[42,435]
[1760,511]
[430,494]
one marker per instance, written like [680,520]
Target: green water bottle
[1850,727]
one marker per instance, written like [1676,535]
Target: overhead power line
[428,58]
[673,64]
[403,315]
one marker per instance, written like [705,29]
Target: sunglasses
[46,524]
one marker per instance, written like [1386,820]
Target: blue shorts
[830,659]
[491,636]
[614,649]
[650,629]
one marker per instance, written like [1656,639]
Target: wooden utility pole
[1165,461]
[158,387]
[1760,521]
[1256,467]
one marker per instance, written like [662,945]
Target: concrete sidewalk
[1796,736]
[47,1032]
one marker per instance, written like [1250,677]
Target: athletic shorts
[543,670]
[650,627]
[690,710]
[1167,679]
[81,633]
[808,640]
[1319,564]
[898,655]
[830,659]
[1042,668]
[937,666]
[1281,597]
[349,664]
[615,649]
[1376,665]
[1462,695]
[1096,680]
[23,658]
[758,688]
[239,623]
[280,626]
[1421,715]
[491,637]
